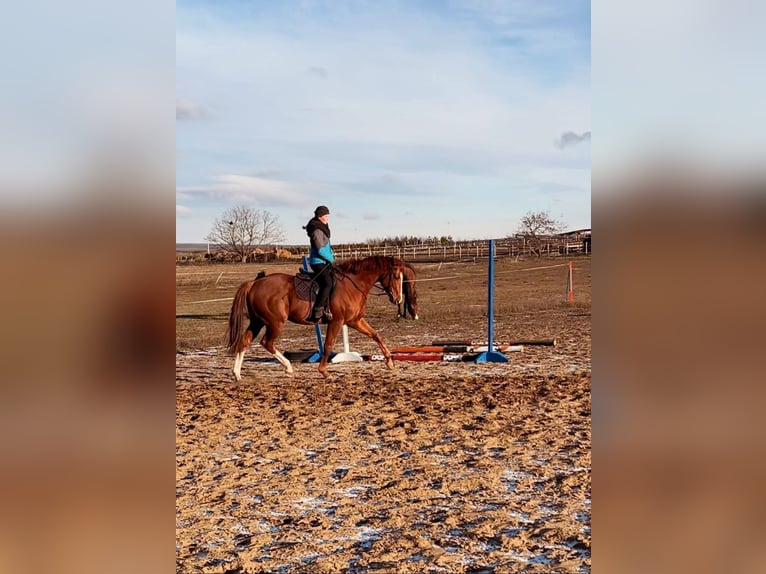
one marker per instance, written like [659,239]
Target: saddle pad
[302,285]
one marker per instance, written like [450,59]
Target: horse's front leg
[272,332]
[332,333]
[364,327]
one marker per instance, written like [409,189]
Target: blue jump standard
[491,356]
[316,357]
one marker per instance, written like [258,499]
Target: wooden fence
[459,251]
[465,251]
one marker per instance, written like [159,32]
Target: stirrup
[316,315]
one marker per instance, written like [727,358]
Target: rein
[343,275]
[382,290]
[391,282]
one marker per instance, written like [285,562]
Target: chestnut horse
[409,302]
[271,300]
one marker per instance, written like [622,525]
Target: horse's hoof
[390,363]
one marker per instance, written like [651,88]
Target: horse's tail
[237,318]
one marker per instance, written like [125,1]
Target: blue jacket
[319,237]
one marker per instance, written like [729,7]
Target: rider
[321,258]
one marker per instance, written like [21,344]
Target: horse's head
[392,280]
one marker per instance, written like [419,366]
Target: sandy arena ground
[431,467]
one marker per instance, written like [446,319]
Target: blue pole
[491,298]
[317,329]
[491,356]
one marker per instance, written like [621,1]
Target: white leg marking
[238,365]
[282,359]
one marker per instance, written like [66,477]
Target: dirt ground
[431,467]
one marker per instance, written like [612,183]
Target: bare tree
[241,230]
[536,224]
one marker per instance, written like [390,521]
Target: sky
[417,118]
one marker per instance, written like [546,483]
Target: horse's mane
[372,263]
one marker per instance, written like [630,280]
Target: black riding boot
[316,315]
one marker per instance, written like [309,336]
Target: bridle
[391,279]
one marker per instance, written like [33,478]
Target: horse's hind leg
[411,311]
[244,342]
[268,343]
[364,327]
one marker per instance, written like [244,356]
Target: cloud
[319,72]
[403,158]
[385,185]
[271,173]
[187,111]
[370,216]
[182,211]
[248,189]
[552,187]
[570,138]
